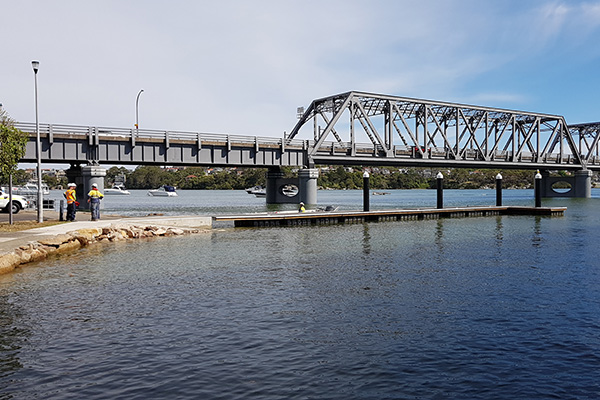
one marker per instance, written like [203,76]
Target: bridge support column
[581,184]
[91,174]
[274,175]
[281,190]
[307,185]
[75,176]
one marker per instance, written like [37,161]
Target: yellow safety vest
[71,196]
[95,194]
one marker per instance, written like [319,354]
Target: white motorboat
[117,189]
[30,189]
[163,191]
[258,191]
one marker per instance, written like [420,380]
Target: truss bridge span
[373,129]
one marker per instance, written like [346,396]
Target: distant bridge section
[373,129]
[98,145]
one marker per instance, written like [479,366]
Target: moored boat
[117,189]
[163,191]
[30,189]
[258,191]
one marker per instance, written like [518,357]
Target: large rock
[85,236]
[68,247]
[8,262]
[56,240]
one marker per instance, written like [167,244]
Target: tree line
[147,177]
[201,178]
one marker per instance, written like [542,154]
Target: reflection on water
[366,239]
[473,308]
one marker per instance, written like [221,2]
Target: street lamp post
[40,197]
[137,101]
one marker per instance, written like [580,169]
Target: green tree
[149,177]
[21,177]
[115,174]
[12,146]
[54,182]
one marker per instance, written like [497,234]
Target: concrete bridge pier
[280,190]
[93,174]
[581,184]
[274,177]
[84,177]
[307,185]
[74,175]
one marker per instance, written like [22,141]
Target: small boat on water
[261,191]
[253,189]
[117,189]
[380,193]
[258,191]
[30,189]
[163,191]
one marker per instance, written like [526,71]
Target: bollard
[440,190]
[61,208]
[498,190]
[366,191]
[537,188]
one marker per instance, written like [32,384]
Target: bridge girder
[398,128]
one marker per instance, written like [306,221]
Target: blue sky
[243,67]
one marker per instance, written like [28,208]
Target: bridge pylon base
[282,190]
[580,182]
[92,174]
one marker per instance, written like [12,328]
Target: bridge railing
[79,130]
[334,148]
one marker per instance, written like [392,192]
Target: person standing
[301,208]
[71,197]
[94,197]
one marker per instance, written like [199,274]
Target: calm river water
[475,308]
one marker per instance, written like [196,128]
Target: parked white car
[18,202]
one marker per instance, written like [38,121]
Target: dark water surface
[475,308]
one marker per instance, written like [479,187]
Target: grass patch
[24,225]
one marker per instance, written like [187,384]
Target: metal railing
[109,132]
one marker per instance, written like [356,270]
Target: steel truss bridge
[377,129]
[353,128]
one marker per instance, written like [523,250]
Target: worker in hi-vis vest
[71,197]
[94,197]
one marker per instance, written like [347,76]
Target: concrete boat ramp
[294,218]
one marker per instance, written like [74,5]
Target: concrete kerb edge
[70,241]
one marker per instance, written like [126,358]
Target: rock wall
[71,241]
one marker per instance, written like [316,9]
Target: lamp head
[36,65]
